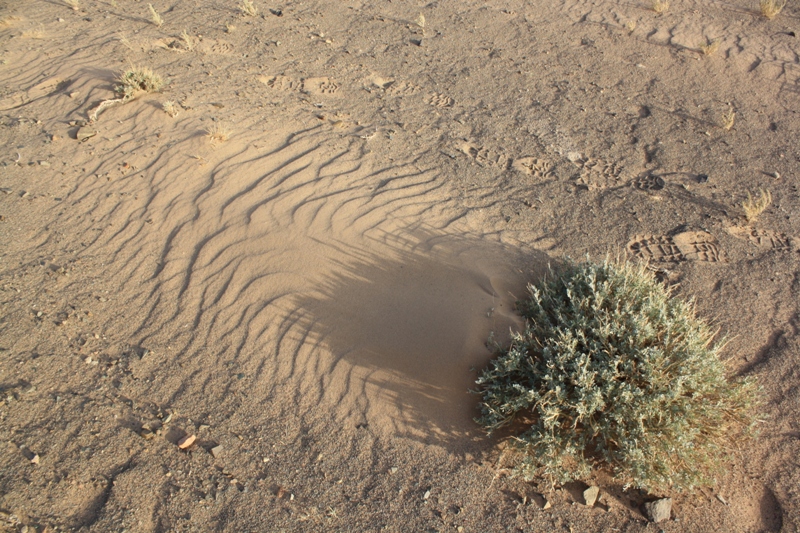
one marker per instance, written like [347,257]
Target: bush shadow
[414,325]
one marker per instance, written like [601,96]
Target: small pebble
[216,451]
[186,441]
[426,495]
[590,495]
[659,510]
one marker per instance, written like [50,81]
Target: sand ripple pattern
[298,267]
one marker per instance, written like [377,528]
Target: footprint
[214,46]
[596,174]
[401,88]
[532,166]
[649,182]
[381,82]
[320,86]
[685,246]
[485,156]
[440,100]
[763,238]
[281,83]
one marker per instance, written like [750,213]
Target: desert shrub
[612,372]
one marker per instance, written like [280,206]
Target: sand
[311,298]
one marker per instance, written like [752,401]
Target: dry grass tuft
[753,207]
[248,8]
[709,48]
[9,21]
[630,26]
[660,6]
[170,108]
[155,18]
[771,8]
[188,40]
[37,33]
[229,28]
[137,80]
[728,119]
[218,134]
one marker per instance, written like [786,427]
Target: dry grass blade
[710,48]
[248,8]
[753,207]
[154,16]
[188,40]
[660,6]
[771,8]
[728,119]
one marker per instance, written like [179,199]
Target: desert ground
[300,265]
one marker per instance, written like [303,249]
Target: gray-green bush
[612,372]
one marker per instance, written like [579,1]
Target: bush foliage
[613,372]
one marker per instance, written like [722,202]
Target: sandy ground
[311,298]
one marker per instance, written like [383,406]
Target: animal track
[685,246]
[534,167]
[440,100]
[485,156]
[763,238]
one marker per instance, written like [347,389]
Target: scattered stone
[24,194]
[659,510]
[393,470]
[186,441]
[590,495]
[6,190]
[35,459]
[147,433]
[547,505]
[84,133]
[426,495]
[721,499]
[216,451]
[45,164]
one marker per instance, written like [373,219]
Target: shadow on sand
[414,325]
